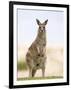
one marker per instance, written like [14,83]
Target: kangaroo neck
[41,37]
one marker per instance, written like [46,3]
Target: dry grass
[40,78]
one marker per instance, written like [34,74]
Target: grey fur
[36,55]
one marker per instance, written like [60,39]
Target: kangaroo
[36,54]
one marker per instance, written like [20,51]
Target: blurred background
[27,32]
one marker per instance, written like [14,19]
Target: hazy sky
[27,26]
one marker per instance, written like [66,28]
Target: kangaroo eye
[38,54]
[39,27]
[43,27]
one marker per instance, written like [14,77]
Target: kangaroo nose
[37,64]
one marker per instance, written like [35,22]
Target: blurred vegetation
[21,65]
[40,78]
[49,50]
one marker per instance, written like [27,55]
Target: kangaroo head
[41,25]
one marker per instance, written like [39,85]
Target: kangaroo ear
[46,22]
[38,22]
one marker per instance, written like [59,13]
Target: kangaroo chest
[41,50]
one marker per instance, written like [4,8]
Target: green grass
[40,78]
[21,65]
